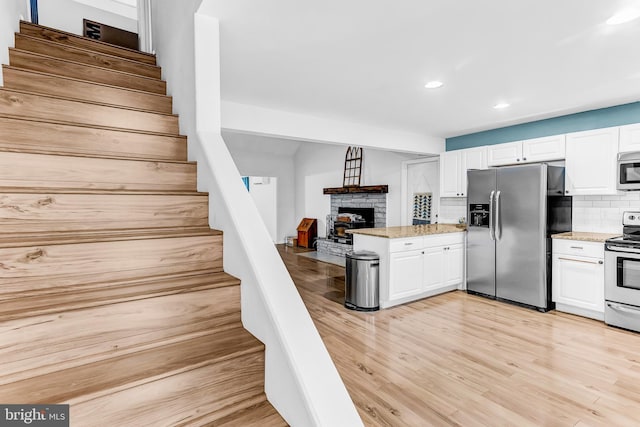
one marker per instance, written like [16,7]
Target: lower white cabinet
[406,269]
[578,277]
[416,267]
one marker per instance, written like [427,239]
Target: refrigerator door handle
[497,226]
[492,231]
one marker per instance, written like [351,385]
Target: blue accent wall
[594,119]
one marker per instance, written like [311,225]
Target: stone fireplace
[343,198]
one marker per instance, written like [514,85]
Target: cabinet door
[472,158]
[434,268]
[629,138]
[504,154]
[450,172]
[590,166]
[543,149]
[454,264]
[405,274]
[578,282]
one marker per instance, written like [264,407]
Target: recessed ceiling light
[623,16]
[501,105]
[434,84]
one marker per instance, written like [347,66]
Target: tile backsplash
[452,209]
[601,214]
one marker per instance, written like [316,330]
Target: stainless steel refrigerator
[512,213]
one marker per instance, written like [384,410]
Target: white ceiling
[367,60]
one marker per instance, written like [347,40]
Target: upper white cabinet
[454,166]
[504,154]
[629,138]
[528,151]
[544,149]
[590,166]
[450,173]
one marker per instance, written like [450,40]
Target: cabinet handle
[524,158]
[518,160]
[566,191]
[576,247]
[408,244]
[457,194]
[462,194]
[579,260]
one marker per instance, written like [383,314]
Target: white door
[405,271]
[590,166]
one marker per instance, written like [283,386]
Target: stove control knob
[632,217]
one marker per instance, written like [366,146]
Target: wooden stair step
[82,90]
[30,302]
[25,135]
[25,170]
[28,104]
[144,367]
[46,212]
[28,238]
[42,344]
[85,260]
[63,67]
[180,399]
[261,413]
[85,56]
[70,39]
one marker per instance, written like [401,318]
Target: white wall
[67,15]
[259,120]
[11,12]
[320,166]
[264,192]
[253,163]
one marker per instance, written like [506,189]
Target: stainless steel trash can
[362,281]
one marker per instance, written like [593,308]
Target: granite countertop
[410,230]
[584,236]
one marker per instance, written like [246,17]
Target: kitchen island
[415,261]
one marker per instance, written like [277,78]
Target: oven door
[629,174]
[622,275]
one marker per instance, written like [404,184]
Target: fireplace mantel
[379,189]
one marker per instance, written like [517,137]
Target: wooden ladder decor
[352,167]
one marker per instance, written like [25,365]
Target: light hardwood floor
[458,359]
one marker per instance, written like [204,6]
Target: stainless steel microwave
[629,171]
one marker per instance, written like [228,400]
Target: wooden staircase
[112,294]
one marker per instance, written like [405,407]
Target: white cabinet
[406,271]
[544,149]
[454,166]
[454,265]
[629,138]
[451,173]
[590,166]
[416,267]
[504,154]
[578,277]
[528,151]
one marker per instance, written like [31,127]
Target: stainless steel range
[622,276]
